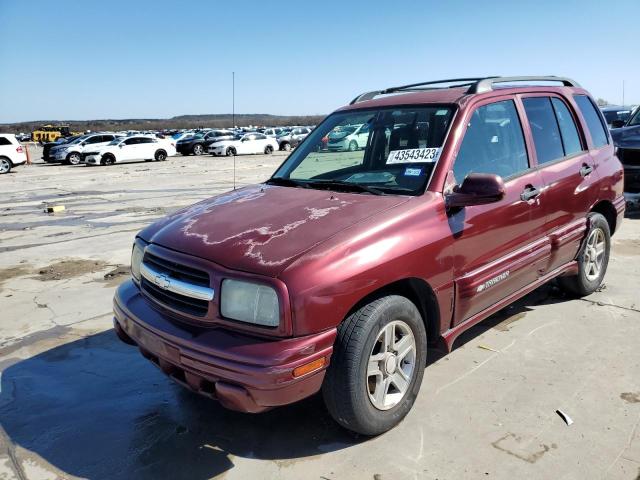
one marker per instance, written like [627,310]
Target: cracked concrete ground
[77,403]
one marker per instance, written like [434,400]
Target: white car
[349,137]
[12,153]
[72,152]
[273,132]
[251,143]
[139,147]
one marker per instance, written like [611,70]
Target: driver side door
[499,248]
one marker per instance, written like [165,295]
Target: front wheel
[268,150]
[230,152]
[74,158]
[108,160]
[285,146]
[377,366]
[353,146]
[198,149]
[160,156]
[593,259]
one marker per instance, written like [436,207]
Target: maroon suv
[338,272]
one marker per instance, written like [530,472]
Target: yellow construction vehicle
[50,133]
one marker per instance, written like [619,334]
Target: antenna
[233,121]
[623,93]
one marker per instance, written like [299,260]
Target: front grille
[182,303]
[629,157]
[177,270]
[191,306]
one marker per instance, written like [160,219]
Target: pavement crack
[604,304]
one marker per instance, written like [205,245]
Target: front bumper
[244,373]
[91,160]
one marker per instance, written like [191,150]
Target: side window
[131,141]
[145,140]
[568,129]
[544,128]
[594,122]
[260,137]
[5,141]
[493,143]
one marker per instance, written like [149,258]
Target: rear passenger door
[567,171]
[498,247]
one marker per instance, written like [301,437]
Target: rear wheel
[198,149]
[74,158]
[286,146]
[5,165]
[160,156]
[268,150]
[377,366]
[593,259]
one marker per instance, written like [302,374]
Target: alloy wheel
[391,365]
[594,254]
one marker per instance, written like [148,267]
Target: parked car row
[216,141]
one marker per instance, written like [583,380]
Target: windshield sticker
[442,112]
[414,155]
[413,172]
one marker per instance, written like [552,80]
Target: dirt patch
[627,248]
[13,272]
[116,276]
[65,269]
[630,397]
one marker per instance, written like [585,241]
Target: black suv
[199,143]
[627,139]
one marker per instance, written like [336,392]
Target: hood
[262,229]
[626,137]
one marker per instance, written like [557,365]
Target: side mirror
[83,144]
[476,189]
[617,123]
[120,145]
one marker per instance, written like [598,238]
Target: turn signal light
[309,367]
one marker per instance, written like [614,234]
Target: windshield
[115,141]
[611,115]
[394,150]
[79,139]
[636,118]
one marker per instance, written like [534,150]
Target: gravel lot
[76,402]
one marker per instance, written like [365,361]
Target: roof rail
[475,84]
[486,84]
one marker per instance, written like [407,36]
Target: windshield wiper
[286,182]
[348,186]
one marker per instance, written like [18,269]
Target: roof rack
[475,84]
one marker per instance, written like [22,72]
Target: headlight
[249,302]
[136,259]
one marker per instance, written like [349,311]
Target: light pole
[233,121]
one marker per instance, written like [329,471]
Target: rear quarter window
[594,121]
[4,141]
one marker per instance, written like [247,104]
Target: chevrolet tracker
[338,272]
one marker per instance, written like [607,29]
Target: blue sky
[71,60]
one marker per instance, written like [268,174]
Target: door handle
[585,170]
[529,193]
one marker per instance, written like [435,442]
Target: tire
[268,150]
[286,146]
[230,152]
[349,386]
[592,265]
[198,149]
[108,160]
[5,165]
[160,156]
[353,146]
[74,158]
